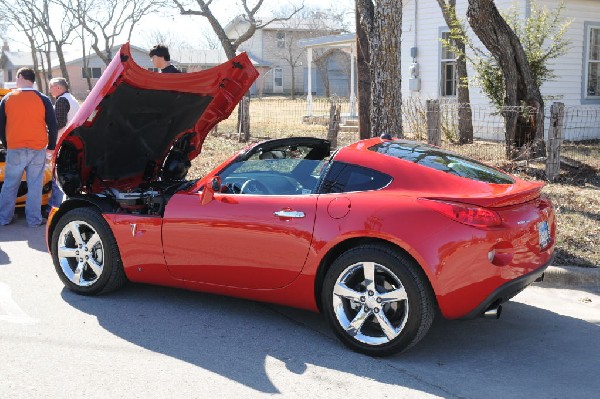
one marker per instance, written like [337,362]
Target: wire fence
[581,139]
[282,117]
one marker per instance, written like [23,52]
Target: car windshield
[444,161]
[284,170]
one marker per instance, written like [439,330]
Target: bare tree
[321,60]
[465,117]
[106,20]
[20,15]
[44,13]
[157,36]
[248,15]
[210,40]
[520,84]
[382,22]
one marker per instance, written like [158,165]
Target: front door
[238,240]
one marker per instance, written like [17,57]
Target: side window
[343,177]
[280,39]
[93,73]
[447,69]
[592,64]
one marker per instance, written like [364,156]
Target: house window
[448,69]
[593,64]
[10,76]
[277,80]
[280,39]
[93,73]
[154,69]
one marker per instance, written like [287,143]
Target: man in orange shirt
[27,130]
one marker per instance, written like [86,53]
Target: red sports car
[379,236]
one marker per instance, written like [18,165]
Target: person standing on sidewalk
[27,130]
[65,107]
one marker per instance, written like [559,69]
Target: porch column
[309,97]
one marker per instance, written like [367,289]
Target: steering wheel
[252,186]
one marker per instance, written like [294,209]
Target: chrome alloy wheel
[80,253]
[370,303]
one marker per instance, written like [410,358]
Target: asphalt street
[154,342]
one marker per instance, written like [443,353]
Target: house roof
[343,40]
[19,58]
[309,24]
[179,56]
[74,57]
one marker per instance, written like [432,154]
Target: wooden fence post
[334,123]
[555,137]
[434,131]
[244,120]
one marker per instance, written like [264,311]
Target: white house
[433,67]
[578,71]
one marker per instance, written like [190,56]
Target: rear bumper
[506,291]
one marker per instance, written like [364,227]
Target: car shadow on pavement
[520,355]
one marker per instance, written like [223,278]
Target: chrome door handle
[289,214]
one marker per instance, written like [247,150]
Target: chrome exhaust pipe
[493,312]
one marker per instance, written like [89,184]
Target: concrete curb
[572,277]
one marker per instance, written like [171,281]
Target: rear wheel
[85,253]
[377,300]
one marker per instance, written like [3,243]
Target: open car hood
[140,126]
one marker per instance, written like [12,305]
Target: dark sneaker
[43,222]
[14,219]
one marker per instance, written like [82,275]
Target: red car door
[238,240]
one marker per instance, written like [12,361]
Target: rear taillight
[471,215]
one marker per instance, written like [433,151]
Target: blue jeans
[32,162]
[57,196]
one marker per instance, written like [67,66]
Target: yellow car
[21,194]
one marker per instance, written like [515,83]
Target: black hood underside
[136,128]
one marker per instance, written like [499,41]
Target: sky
[189,30]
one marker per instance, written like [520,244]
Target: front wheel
[377,300]
[85,253]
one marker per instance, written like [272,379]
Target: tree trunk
[386,74]
[465,117]
[293,82]
[334,123]
[525,131]
[364,79]
[555,137]
[321,65]
[63,64]
[244,120]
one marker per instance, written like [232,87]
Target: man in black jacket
[161,59]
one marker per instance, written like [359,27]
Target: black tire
[89,264]
[400,299]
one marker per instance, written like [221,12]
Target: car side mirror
[208,193]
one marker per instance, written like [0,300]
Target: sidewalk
[572,277]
